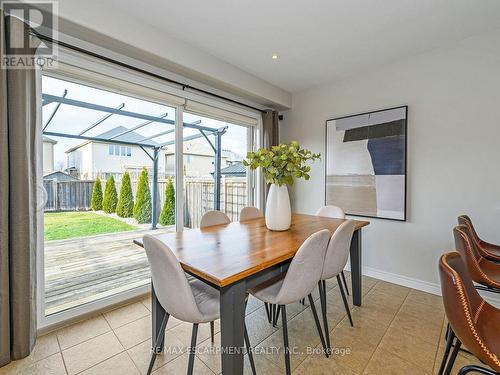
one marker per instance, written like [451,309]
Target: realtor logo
[20,48]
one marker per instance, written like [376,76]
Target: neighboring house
[59,176]
[48,154]
[91,159]
[234,170]
[198,159]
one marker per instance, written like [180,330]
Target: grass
[63,225]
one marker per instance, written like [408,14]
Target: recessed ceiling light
[275,57]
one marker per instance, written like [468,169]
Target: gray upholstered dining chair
[191,301]
[297,283]
[211,218]
[336,257]
[249,213]
[334,212]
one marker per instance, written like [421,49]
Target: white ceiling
[317,41]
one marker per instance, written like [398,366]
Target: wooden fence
[68,195]
[198,196]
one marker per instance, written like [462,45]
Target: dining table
[238,256]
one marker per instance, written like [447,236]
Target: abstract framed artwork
[365,171]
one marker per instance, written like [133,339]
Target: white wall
[454,150]
[48,157]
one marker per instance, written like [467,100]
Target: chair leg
[303,301]
[451,360]
[481,370]
[322,299]
[268,311]
[276,317]
[250,352]
[159,342]
[192,349]
[450,336]
[318,326]
[212,331]
[345,282]
[285,340]
[344,298]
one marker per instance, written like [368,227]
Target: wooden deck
[82,270]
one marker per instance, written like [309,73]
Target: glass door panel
[99,151]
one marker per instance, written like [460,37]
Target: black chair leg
[344,298]
[451,360]
[322,299]
[268,311]
[285,340]
[192,349]
[473,368]
[158,343]
[450,336]
[318,326]
[345,282]
[276,317]
[250,352]
[303,301]
[212,331]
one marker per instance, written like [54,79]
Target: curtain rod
[128,66]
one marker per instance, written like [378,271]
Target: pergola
[147,143]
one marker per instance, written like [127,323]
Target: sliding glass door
[112,173]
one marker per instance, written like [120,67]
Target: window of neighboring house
[111,149]
[124,151]
[129,151]
[117,150]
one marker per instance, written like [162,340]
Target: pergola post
[154,205]
[217,165]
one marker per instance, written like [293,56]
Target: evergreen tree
[142,207]
[125,206]
[110,196]
[96,200]
[167,216]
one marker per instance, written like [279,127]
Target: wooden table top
[224,254]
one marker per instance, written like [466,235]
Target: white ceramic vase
[278,211]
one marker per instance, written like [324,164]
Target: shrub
[167,216]
[96,200]
[110,196]
[125,207]
[142,207]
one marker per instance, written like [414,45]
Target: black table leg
[232,326]
[356,267]
[157,314]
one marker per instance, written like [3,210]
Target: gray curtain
[271,128]
[271,136]
[18,202]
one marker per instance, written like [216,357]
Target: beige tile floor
[397,331]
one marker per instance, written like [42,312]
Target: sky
[73,120]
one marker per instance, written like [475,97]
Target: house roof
[237,169]
[59,176]
[48,140]
[132,137]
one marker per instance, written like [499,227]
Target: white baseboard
[417,284]
[409,282]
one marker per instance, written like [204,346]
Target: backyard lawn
[63,225]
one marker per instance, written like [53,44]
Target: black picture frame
[405,211]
